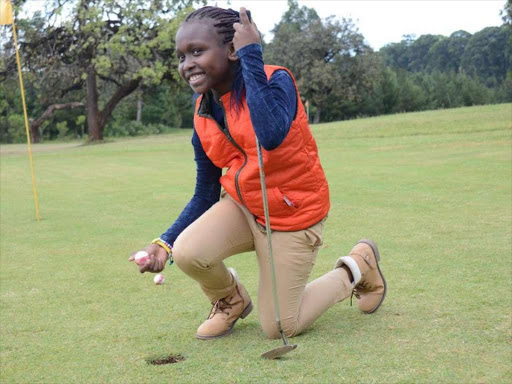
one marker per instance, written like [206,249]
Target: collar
[207,98]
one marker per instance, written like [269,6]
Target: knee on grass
[290,329]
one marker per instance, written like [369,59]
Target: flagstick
[26,121]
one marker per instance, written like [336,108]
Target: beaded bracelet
[165,245]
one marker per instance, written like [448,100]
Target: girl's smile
[204,62]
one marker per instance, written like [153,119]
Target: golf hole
[170,359]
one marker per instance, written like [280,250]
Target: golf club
[279,351]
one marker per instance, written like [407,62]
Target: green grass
[432,188]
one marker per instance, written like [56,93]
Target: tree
[418,52]
[360,76]
[506,13]
[445,94]
[101,50]
[411,97]
[314,50]
[296,18]
[446,54]
[10,130]
[488,55]
[386,92]
[164,107]
[396,55]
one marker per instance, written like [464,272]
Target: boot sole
[243,315]
[375,250]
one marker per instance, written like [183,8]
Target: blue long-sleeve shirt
[272,107]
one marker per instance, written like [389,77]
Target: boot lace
[363,286]
[219,306]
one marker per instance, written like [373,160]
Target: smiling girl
[220,57]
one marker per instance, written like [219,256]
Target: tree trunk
[139,108]
[96,119]
[121,92]
[93,118]
[36,124]
[316,119]
[35,135]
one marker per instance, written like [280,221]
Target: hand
[157,257]
[245,33]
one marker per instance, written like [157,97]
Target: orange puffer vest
[297,190]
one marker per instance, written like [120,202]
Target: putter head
[279,351]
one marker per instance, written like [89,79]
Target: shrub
[134,128]
[16,129]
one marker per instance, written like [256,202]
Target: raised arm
[272,104]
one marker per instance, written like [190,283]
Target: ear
[232,53]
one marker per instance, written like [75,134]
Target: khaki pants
[228,228]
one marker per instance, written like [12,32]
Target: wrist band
[165,245]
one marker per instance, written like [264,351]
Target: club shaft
[269,241]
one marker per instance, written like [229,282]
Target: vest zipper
[225,131]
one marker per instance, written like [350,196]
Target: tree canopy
[99,51]
[322,54]
[108,68]
[488,55]
[485,55]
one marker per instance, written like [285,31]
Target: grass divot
[162,360]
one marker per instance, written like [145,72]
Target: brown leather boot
[369,283]
[225,313]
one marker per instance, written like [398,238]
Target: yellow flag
[5,12]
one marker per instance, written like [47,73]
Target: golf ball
[159,279]
[141,257]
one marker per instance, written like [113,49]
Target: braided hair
[223,22]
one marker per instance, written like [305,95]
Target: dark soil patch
[171,359]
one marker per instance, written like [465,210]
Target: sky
[385,21]
[380,21]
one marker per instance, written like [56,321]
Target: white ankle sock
[352,265]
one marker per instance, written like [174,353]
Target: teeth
[195,77]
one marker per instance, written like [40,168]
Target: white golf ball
[159,279]
[141,257]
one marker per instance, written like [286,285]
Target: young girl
[220,57]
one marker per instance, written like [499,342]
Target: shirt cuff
[251,48]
